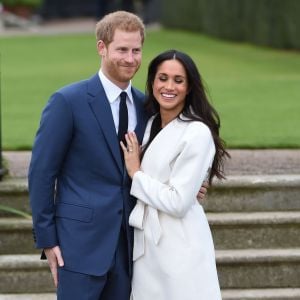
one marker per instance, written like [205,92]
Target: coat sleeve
[51,144]
[188,172]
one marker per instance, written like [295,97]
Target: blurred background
[45,10]
[266,22]
[247,52]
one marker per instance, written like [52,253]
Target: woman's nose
[169,85]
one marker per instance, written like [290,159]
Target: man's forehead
[124,35]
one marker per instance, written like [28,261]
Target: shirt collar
[112,91]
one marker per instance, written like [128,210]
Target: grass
[255,90]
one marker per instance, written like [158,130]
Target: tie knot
[123,96]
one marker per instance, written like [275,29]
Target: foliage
[275,23]
[14,211]
[31,3]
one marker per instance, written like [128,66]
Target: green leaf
[15,211]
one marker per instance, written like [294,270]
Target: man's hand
[54,259]
[203,191]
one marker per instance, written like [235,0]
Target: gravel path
[242,162]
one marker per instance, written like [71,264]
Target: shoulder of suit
[73,87]
[138,93]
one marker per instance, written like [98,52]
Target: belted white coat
[174,256]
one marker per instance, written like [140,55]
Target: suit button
[120,211]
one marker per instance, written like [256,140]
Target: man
[79,188]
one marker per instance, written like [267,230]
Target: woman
[173,249]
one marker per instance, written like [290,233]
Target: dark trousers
[114,285]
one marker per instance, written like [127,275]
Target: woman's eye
[179,79]
[162,78]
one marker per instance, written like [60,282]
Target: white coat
[173,251]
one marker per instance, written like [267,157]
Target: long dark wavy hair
[196,108]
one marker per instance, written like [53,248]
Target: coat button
[120,211]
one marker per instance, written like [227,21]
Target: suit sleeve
[189,170]
[51,144]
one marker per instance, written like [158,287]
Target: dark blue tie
[123,118]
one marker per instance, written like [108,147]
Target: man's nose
[129,57]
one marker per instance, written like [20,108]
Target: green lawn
[255,90]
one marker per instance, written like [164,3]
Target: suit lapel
[100,106]
[140,114]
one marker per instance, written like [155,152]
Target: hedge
[274,23]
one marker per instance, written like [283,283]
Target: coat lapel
[100,106]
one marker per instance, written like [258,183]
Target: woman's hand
[131,153]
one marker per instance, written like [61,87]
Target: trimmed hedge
[274,23]
[30,3]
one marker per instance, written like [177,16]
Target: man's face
[122,57]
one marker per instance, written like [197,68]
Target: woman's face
[170,86]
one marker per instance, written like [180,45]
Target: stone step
[230,231]
[254,193]
[14,193]
[255,269]
[237,193]
[259,294]
[255,230]
[237,269]
[250,294]
[44,296]
[16,236]
[24,273]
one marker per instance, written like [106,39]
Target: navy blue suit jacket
[78,186]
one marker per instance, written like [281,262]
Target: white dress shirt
[113,95]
